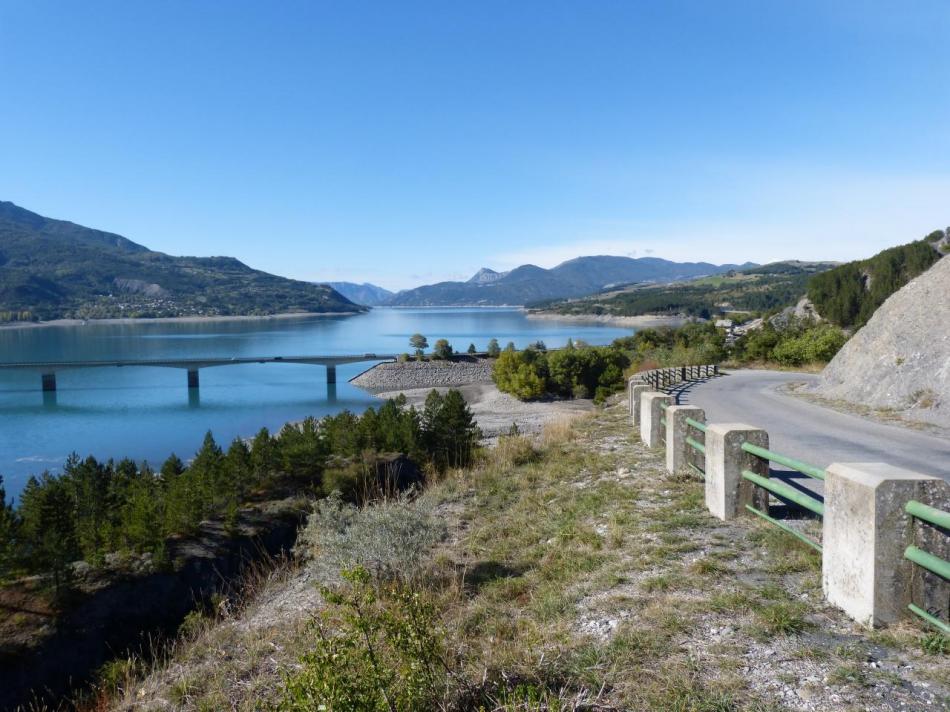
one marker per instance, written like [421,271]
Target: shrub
[378,650]
[442,349]
[514,374]
[390,539]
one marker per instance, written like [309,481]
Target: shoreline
[494,411]
[643,320]
[171,319]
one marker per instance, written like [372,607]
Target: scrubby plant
[379,649]
[390,539]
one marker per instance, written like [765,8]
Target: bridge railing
[884,532]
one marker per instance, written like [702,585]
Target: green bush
[571,372]
[442,350]
[378,650]
[818,344]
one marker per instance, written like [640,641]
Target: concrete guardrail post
[677,451]
[636,393]
[651,411]
[727,492]
[864,535]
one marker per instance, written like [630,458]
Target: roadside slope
[576,574]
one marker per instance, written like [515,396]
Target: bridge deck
[195,363]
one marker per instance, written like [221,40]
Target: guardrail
[885,532]
[784,491]
[662,378]
[931,562]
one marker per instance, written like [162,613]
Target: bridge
[49,369]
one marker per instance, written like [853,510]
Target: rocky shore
[424,374]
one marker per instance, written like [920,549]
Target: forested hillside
[758,289]
[849,294]
[53,269]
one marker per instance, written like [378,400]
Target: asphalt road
[810,432]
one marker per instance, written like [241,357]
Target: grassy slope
[593,573]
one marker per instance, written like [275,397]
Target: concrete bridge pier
[331,374]
[49,382]
[192,378]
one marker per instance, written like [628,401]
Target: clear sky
[408,142]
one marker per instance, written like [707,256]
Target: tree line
[94,509]
[576,371]
[849,294]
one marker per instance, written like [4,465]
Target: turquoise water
[147,413]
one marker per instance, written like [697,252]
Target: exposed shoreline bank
[644,320]
[494,411]
[171,319]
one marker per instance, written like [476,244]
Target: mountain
[53,269]
[367,294]
[755,289]
[485,275]
[578,277]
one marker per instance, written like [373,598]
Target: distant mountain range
[54,269]
[369,295]
[575,278]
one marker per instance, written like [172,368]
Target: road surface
[810,432]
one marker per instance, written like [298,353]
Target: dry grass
[577,574]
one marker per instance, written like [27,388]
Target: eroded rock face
[901,358]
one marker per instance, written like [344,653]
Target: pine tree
[8,535]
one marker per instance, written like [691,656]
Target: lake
[148,413]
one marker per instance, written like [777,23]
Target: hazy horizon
[415,143]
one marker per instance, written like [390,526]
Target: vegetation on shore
[95,509]
[599,371]
[572,372]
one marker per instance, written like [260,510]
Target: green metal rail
[696,424]
[696,445]
[933,620]
[941,567]
[929,561]
[790,462]
[784,527]
[929,514]
[785,491]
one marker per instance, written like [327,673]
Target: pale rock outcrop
[901,358]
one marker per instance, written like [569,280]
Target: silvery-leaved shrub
[390,539]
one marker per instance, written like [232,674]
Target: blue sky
[408,142]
